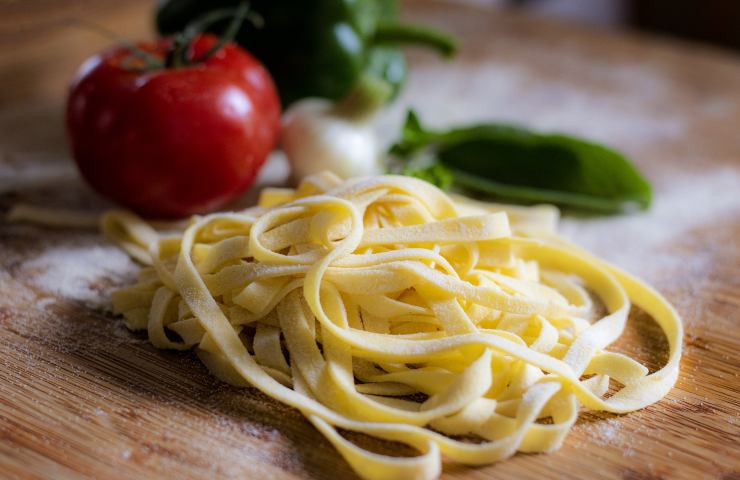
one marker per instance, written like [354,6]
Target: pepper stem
[365,98]
[399,33]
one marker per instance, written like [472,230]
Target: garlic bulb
[317,137]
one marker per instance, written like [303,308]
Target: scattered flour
[609,432]
[605,432]
[635,109]
[35,174]
[683,201]
[45,302]
[83,273]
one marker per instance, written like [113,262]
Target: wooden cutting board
[80,397]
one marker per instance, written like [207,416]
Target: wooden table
[80,397]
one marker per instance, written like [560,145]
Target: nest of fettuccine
[384,306]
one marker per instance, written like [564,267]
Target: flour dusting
[683,201]
[608,433]
[605,432]
[82,273]
[35,174]
[628,109]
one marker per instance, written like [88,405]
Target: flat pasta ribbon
[382,306]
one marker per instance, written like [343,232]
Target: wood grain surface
[80,397]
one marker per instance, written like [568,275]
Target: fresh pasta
[383,306]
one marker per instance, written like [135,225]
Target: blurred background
[32,29]
[32,32]
[712,21]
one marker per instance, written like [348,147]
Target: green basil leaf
[513,163]
[435,174]
[547,168]
[413,137]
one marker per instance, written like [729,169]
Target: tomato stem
[178,56]
[239,16]
[150,62]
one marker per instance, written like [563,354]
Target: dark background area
[716,21]
[709,21]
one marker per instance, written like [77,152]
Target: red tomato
[173,142]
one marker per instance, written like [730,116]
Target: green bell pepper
[318,48]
